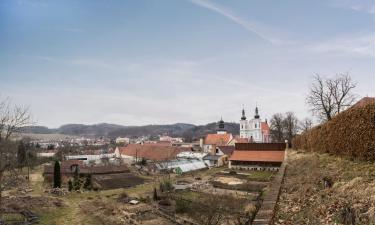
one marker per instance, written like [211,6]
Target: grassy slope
[305,199]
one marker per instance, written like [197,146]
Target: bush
[57,175]
[70,185]
[350,134]
[88,182]
[123,197]
[166,185]
[182,206]
[155,196]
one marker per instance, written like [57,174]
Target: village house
[122,140]
[46,154]
[257,156]
[238,139]
[225,150]
[149,152]
[94,156]
[171,139]
[221,138]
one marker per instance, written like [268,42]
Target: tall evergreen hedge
[350,134]
[57,175]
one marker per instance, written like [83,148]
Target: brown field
[322,189]
[118,180]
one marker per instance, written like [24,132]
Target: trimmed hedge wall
[350,133]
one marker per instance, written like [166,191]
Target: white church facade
[254,129]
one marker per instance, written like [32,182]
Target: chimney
[201,143]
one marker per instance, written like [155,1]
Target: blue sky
[166,61]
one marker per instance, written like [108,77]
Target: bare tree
[330,96]
[12,118]
[277,128]
[306,124]
[291,126]
[341,88]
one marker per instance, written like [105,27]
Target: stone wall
[266,212]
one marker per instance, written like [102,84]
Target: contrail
[231,16]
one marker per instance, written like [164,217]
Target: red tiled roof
[265,127]
[257,156]
[227,150]
[241,140]
[152,152]
[364,101]
[217,139]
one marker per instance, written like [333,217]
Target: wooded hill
[188,131]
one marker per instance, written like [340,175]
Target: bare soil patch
[119,180]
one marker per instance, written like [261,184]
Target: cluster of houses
[251,150]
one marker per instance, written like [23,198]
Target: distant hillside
[188,131]
[173,130]
[38,130]
[197,132]
[102,129]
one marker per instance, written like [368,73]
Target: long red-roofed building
[257,156]
[137,152]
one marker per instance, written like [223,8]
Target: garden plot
[118,180]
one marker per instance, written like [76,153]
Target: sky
[167,61]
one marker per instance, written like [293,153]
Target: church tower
[221,127]
[255,126]
[243,124]
[252,128]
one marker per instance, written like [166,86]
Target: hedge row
[350,134]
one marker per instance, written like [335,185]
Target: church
[254,129]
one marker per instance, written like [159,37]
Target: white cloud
[358,45]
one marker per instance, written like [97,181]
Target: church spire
[256,113]
[243,114]
[221,124]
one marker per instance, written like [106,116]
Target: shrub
[70,185]
[166,185]
[88,182]
[350,134]
[123,197]
[155,196]
[57,175]
[182,206]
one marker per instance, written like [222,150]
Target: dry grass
[307,199]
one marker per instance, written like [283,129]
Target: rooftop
[217,139]
[152,152]
[258,156]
